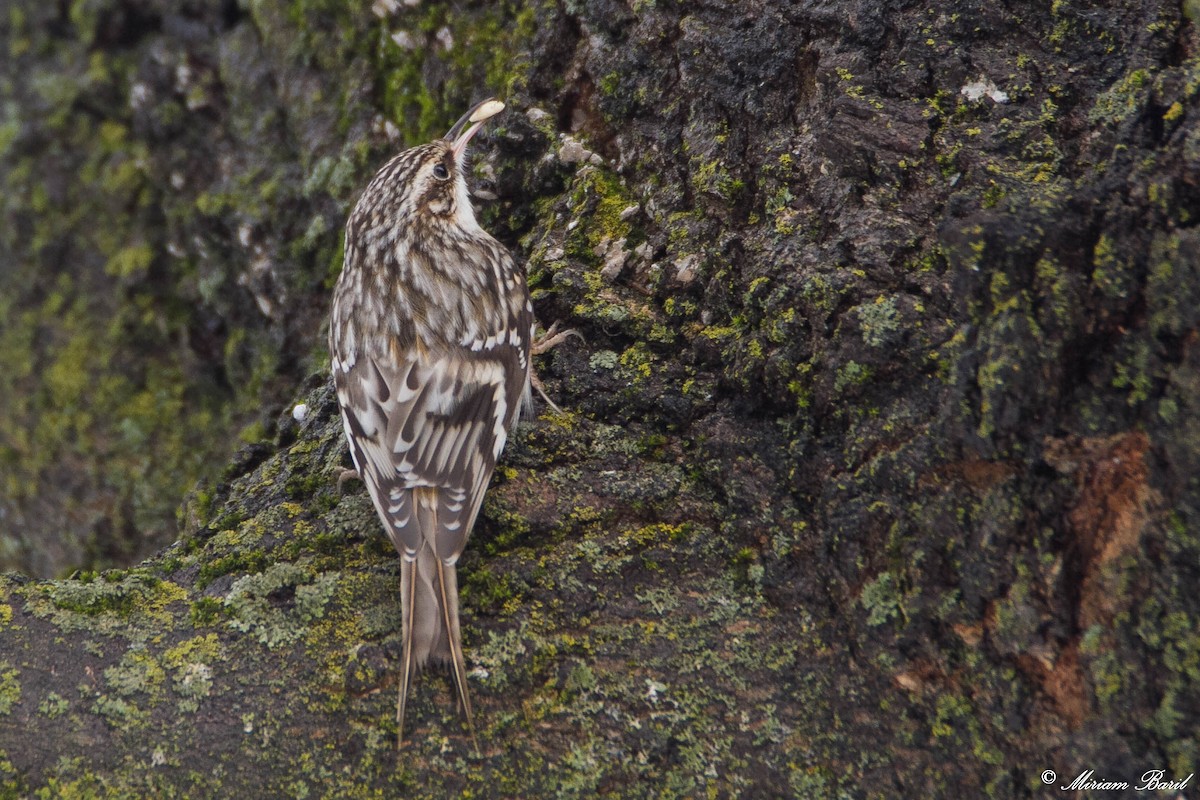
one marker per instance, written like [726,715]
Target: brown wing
[436,422]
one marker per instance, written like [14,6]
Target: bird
[430,338]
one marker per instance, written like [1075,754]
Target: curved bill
[474,118]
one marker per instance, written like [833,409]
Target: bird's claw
[346,475]
[552,338]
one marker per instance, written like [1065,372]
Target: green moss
[637,360]
[882,599]
[138,672]
[1169,313]
[53,705]
[601,196]
[1120,100]
[1015,620]
[778,207]
[241,560]
[207,611]
[879,320]
[130,261]
[484,53]
[252,609]
[10,688]
[193,683]
[851,374]
[111,594]
[1110,275]
[483,588]
[1133,373]
[1109,678]
[1055,285]
[712,177]
[511,524]
[119,713]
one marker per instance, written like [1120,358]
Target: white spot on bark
[981,88]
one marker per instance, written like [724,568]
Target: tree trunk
[875,475]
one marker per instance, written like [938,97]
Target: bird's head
[427,185]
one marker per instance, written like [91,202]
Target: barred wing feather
[439,422]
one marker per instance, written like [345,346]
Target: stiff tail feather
[448,583]
[429,606]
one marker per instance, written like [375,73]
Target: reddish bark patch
[1063,682]
[1106,520]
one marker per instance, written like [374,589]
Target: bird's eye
[440,172]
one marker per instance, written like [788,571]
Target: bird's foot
[552,338]
[540,388]
[346,475]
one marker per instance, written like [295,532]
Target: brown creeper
[430,336]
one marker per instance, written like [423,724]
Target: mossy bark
[876,476]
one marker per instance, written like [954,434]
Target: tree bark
[875,475]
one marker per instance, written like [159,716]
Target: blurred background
[175,179]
